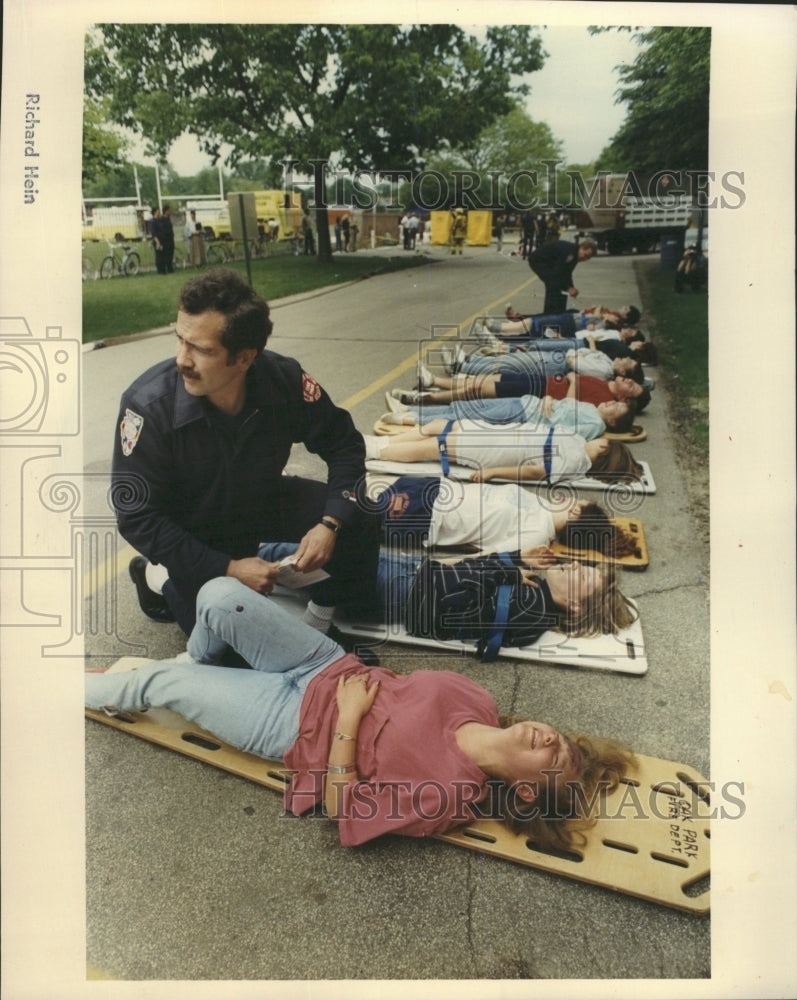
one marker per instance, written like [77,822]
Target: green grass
[121,305]
[678,325]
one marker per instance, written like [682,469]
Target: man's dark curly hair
[224,290]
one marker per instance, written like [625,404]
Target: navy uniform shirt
[554,263]
[194,488]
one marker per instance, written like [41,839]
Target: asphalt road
[193,874]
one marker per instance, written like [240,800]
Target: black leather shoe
[153,605]
[353,645]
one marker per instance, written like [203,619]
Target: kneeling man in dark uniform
[199,456]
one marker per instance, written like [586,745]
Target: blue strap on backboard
[547,453]
[441,444]
[496,634]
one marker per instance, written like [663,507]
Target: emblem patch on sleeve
[130,430]
[311,390]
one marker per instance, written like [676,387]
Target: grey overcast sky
[574,94]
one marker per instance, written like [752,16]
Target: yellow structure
[106,221]
[479,231]
[268,205]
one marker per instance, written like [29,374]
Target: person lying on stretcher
[568,324]
[549,358]
[586,419]
[511,376]
[629,342]
[445,513]
[508,451]
[414,755]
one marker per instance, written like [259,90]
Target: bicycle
[127,265]
[219,252]
[257,247]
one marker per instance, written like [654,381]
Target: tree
[103,147]
[260,174]
[566,194]
[513,144]
[205,182]
[666,89]
[372,97]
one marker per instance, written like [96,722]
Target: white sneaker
[401,419]
[185,658]
[425,377]
[448,360]
[393,403]
[481,333]
[408,396]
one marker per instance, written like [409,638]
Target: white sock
[318,617]
[373,446]
[156,575]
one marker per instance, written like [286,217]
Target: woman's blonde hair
[605,612]
[563,811]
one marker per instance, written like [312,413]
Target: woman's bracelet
[341,769]
[344,736]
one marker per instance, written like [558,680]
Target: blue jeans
[256,710]
[394,575]
[509,410]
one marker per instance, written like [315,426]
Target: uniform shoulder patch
[130,430]
[311,390]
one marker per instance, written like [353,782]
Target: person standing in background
[554,263]
[166,237]
[195,241]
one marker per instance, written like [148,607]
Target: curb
[287,300]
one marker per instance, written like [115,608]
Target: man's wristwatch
[330,524]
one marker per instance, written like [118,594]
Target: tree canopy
[666,89]
[513,146]
[370,97]
[513,142]
[103,147]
